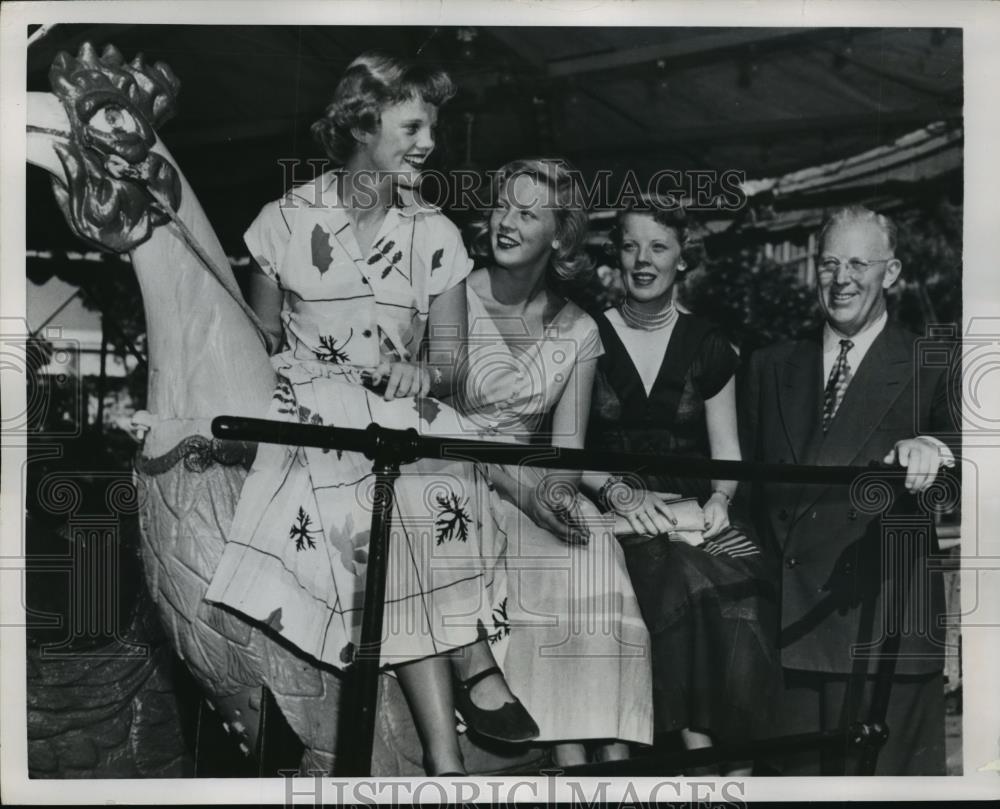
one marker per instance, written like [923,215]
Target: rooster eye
[112,118]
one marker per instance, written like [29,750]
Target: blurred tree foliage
[597,290]
[930,247]
[755,300]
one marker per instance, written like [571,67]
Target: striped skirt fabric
[731,542]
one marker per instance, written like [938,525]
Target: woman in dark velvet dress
[665,386]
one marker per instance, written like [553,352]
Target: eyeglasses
[856,267]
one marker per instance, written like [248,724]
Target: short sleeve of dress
[715,364]
[590,346]
[444,249]
[268,237]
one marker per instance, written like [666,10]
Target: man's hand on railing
[923,458]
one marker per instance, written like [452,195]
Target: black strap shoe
[511,722]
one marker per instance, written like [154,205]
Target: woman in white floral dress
[349,276]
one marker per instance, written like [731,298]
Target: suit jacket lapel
[876,384]
[800,385]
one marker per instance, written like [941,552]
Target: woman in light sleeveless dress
[578,654]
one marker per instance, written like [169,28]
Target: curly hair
[570,260]
[667,214]
[371,83]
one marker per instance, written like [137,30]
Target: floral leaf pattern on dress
[392,263]
[501,623]
[383,249]
[436,259]
[274,620]
[283,391]
[427,408]
[359,552]
[388,347]
[285,397]
[322,253]
[350,546]
[301,532]
[380,251]
[453,521]
[306,416]
[289,406]
[380,255]
[332,350]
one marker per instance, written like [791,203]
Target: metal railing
[389,448]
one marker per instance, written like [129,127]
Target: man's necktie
[836,385]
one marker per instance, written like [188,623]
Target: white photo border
[980,577]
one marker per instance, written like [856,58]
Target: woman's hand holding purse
[641,512]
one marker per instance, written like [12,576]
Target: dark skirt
[712,614]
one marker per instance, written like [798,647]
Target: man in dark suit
[852,394]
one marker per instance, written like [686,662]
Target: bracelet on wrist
[729,498]
[604,493]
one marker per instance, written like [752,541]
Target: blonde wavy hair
[371,83]
[570,260]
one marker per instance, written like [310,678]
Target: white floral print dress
[295,558]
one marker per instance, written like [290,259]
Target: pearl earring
[555,244]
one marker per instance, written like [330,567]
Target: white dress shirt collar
[862,342]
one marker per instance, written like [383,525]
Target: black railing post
[900,576]
[356,760]
[903,540]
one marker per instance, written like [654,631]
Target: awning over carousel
[915,166]
[766,102]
